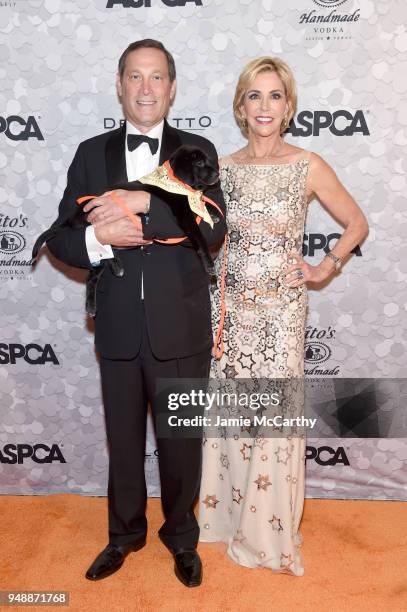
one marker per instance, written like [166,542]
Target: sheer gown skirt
[252,489]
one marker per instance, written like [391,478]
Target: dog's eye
[200,164]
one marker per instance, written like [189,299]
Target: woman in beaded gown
[252,489]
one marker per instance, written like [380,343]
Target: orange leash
[120,203]
[218,342]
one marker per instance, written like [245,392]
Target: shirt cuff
[96,250]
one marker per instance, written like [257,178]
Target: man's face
[145,89]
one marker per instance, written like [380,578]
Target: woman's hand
[104,209]
[301,272]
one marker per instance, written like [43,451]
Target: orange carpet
[355,555]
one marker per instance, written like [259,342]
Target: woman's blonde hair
[247,76]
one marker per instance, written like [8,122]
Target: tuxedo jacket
[175,284]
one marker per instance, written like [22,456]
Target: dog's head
[192,166]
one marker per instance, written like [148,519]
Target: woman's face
[265,105]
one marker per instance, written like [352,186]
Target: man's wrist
[100,236]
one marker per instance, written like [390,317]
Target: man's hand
[104,210]
[121,233]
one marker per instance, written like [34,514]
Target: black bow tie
[135,140]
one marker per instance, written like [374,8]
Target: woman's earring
[284,124]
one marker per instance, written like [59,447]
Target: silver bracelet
[337,260]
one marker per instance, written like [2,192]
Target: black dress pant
[128,386]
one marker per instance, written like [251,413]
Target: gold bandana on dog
[164,178]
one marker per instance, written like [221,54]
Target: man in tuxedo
[154,322]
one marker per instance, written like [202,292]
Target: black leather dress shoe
[111,559]
[188,567]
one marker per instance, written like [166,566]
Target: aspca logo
[323,242]
[339,123]
[11,242]
[317,352]
[329,3]
[325,455]
[147,3]
[39,453]
[18,128]
[33,354]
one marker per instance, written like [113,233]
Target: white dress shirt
[138,163]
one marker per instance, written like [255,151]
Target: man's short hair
[148,43]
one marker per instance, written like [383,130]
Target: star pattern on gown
[270,329]
[282,454]
[246,451]
[246,361]
[292,294]
[269,353]
[237,497]
[230,280]
[247,428]
[234,236]
[281,194]
[281,240]
[250,294]
[227,324]
[238,536]
[263,482]
[229,371]
[272,284]
[286,561]
[224,459]
[275,522]
[255,241]
[260,441]
[210,501]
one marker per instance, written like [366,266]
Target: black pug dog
[189,164]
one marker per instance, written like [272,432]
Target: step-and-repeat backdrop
[58,65]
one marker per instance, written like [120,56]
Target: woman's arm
[323,182]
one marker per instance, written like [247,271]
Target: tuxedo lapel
[170,142]
[116,158]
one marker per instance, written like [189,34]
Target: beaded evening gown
[252,491]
